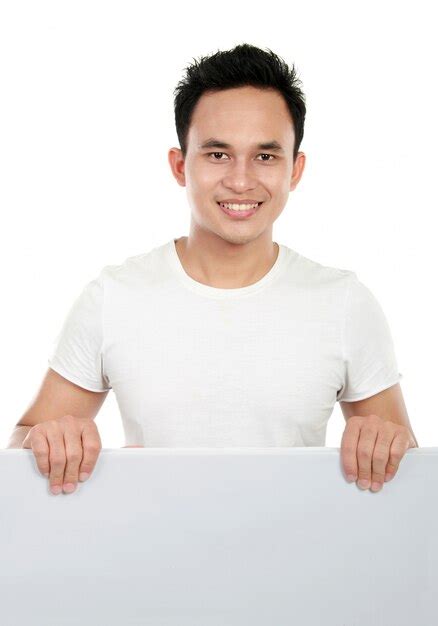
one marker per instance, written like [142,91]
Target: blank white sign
[219,537]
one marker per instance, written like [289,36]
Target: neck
[213,261]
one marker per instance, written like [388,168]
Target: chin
[239,239]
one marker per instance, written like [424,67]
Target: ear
[176,162]
[298,169]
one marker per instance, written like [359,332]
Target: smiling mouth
[245,206]
[239,214]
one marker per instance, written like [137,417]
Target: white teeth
[239,207]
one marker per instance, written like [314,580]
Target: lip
[240,201]
[241,214]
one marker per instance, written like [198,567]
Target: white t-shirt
[194,365]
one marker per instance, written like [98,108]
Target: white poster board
[219,537]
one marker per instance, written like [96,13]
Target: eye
[262,154]
[268,155]
[210,153]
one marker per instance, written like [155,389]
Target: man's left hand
[372,448]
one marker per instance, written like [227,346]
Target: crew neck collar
[217,292]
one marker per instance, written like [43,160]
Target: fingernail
[364,483]
[56,489]
[351,478]
[83,476]
[69,487]
[388,477]
[376,486]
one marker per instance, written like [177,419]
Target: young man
[224,337]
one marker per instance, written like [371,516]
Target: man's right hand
[66,450]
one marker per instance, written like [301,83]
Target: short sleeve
[370,364]
[77,352]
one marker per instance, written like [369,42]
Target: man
[224,337]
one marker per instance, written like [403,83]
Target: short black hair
[243,65]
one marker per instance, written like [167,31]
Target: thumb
[26,442]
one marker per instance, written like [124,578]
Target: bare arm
[56,397]
[58,426]
[389,404]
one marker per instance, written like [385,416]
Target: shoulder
[138,269]
[314,274]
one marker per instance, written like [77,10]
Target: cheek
[272,178]
[279,183]
[204,181]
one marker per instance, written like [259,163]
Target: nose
[240,177]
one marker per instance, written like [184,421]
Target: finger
[91,445]
[399,445]
[365,449]
[380,458]
[73,452]
[55,438]
[348,448]
[40,448]
[27,441]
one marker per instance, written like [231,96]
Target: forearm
[18,436]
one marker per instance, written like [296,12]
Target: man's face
[243,118]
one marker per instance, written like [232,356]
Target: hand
[65,448]
[372,449]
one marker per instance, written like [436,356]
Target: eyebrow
[216,143]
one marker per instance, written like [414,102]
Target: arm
[377,436]
[388,404]
[56,397]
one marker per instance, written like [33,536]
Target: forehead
[241,112]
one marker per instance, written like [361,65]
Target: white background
[86,122]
